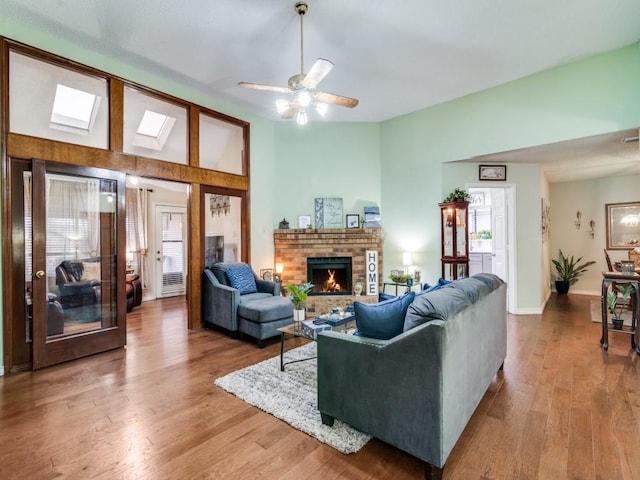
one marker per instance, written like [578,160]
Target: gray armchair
[235,299]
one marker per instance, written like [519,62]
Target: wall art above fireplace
[328,212]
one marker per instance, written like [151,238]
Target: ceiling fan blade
[259,86]
[291,111]
[318,71]
[336,99]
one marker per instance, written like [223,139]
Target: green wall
[597,95]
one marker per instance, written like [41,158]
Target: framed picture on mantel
[353,220]
[328,212]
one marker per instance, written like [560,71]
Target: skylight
[74,110]
[153,130]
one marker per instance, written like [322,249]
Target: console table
[634,279]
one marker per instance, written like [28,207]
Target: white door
[170,251]
[499,232]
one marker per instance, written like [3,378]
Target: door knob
[39,274]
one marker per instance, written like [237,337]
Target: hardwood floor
[562,408]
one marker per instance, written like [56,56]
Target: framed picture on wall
[623,225]
[353,220]
[493,172]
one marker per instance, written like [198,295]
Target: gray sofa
[418,390]
[256,310]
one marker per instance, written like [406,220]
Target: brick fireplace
[294,246]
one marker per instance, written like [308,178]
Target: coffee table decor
[292,396]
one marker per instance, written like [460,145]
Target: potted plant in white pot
[298,295]
[568,270]
[616,307]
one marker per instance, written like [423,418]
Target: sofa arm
[390,389]
[219,303]
[268,287]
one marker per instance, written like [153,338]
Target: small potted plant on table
[298,295]
[617,303]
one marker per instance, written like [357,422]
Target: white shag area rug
[292,396]
[596,313]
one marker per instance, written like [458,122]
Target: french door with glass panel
[73,221]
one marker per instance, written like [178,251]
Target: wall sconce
[579,217]
[592,232]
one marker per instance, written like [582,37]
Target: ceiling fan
[302,86]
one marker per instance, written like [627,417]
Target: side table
[403,285]
[607,279]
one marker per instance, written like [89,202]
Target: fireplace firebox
[329,275]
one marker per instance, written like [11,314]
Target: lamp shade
[279,267]
[407,260]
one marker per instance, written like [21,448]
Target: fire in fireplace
[330,276]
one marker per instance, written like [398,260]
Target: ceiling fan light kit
[302,87]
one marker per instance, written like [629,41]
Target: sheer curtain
[136,209]
[73,218]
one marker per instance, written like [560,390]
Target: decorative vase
[299,315]
[357,288]
[617,323]
[562,287]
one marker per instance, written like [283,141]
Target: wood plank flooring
[562,408]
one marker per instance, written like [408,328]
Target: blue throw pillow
[385,296]
[382,320]
[241,277]
[441,283]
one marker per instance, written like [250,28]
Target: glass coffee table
[309,329]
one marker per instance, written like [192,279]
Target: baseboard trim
[528,311]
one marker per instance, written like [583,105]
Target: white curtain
[73,217]
[136,208]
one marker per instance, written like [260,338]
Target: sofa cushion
[474,288]
[382,320]
[250,297]
[382,296]
[441,283]
[219,273]
[435,305]
[266,309]
[241,278]
[489,279]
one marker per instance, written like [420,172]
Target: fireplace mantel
[293,246]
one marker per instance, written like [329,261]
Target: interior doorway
[492,235]
[170,251]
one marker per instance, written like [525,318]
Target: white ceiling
[394,56]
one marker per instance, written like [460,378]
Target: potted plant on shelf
[298,295]
[568,270]
[458,195]
[616,307]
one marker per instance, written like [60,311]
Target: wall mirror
[623,225]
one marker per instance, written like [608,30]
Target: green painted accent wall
[597,95]
[327,160]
